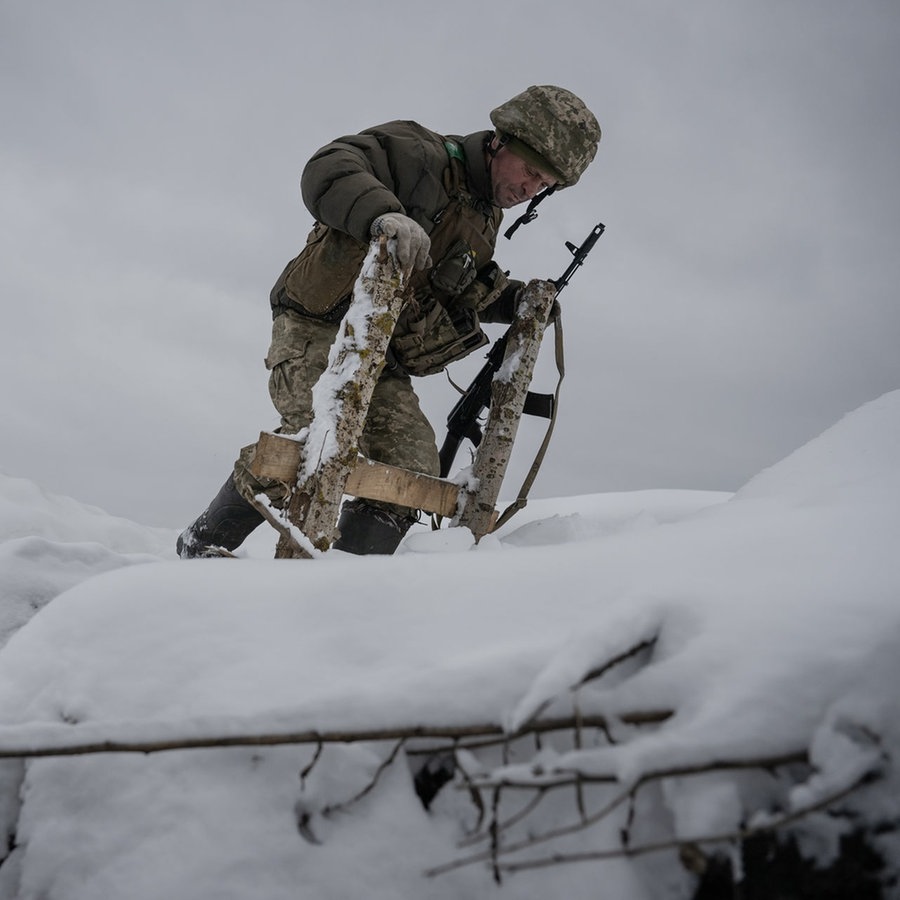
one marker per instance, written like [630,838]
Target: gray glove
[413,243]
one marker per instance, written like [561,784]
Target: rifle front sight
[580,254]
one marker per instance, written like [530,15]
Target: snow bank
[760,626]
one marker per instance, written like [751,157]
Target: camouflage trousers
[396,430]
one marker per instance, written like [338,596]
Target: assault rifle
[463,419]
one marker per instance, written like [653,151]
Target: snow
[320,437]
[345,361]
[757,633]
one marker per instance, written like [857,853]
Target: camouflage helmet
[555,124]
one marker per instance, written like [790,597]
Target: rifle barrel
[580,254]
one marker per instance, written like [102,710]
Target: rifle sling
[540,406]
[522,498]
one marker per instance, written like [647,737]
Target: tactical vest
[439,322]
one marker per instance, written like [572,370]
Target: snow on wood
[278,456]
[341,400]
[508,392]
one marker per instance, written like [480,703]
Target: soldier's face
[514,181]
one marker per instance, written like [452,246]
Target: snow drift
[735,658]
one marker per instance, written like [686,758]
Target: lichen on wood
[341,398]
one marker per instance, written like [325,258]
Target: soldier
[442,199]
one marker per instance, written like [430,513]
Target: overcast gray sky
[743,298]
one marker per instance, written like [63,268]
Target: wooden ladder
[322,464]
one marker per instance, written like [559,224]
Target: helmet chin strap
[530,213]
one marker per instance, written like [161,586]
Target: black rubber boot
[222,527]
[369,529]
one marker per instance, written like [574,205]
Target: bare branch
[565,777]
[478,837]
[530,842]
[304,773]
[385,764]
[597,671]
[286,536]
[737,835]
[15,741]
[474,794]
[638,648]
[608,808]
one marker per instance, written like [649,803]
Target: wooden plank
[377,481]
[278,457]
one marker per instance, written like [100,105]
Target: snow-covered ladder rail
[324,464]
[327,451]
[509,390]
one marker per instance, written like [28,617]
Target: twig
[585,822]
[474,794]
[529,842]
[385,763]
[299,551]
[304,773]
[536,727]
[740,834]
[564,777]
[579,787]
[494,832]
[595,673]
[478,837]
[625,833]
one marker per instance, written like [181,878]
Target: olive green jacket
[443,183]
[397,167]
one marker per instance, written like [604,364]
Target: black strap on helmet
[530,213]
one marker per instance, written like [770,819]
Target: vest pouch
[319,282]
[430,336]
[456,271]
